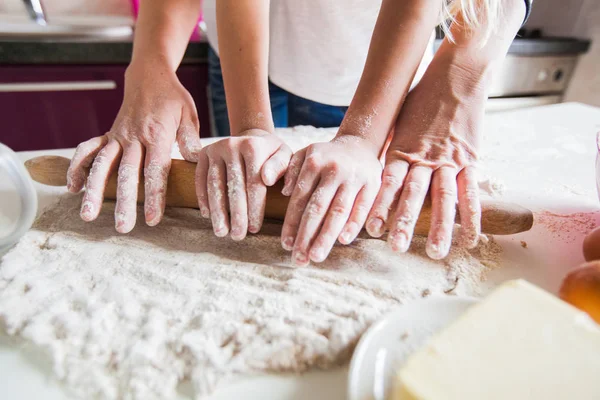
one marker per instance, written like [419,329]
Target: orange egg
[581,288]
[591,245]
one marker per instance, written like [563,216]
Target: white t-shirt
[318,48]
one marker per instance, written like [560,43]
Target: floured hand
[332,187]
[434,150]
[156,110]
[233,175]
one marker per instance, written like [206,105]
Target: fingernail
[288,243]
[204,212]
[300,259]
[286,191]
[87,209]
[253,229]
[220,231]
[399,242]
[317,255]
[237,234]
[374,227]
[119,221]
[345,237]
[152,217]
[269,176]
[436,251]
[467,240]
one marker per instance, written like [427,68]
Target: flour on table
[131,316]
[492,187]
[568,227]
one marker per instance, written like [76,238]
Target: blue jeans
[287,108]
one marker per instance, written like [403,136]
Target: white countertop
[544,157]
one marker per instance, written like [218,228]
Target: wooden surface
[497,218]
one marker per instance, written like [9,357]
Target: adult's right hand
[156,110]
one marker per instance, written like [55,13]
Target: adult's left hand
[434,149]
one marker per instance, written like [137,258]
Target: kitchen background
[62,82]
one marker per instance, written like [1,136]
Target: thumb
[188,137]
[274,168]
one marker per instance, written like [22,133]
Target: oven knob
[558,74]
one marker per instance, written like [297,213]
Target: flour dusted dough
[129,316]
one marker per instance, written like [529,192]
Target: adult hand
[156,110]
[332,187]
[233,174]
[434,150]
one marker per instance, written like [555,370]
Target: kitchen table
[542,158]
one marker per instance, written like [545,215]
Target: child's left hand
[233,174]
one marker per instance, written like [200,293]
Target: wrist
[157,63]
[363,126]
[468,73]
[249,116]
[364,142]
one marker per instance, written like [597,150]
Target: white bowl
[387,344]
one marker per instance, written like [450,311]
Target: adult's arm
[437,134]
[156,111]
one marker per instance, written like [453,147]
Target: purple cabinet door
[195,79]
[50,107]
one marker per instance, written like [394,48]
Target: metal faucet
[36,11]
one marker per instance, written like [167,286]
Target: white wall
[585,85]
[555,17]
[574,18]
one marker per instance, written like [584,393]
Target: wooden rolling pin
[497,218]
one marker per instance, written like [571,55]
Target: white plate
[388,343]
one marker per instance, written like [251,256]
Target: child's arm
[333,185]
[234,173]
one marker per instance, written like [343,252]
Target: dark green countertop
[83,52]
[119,52]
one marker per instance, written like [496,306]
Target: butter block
[519,343]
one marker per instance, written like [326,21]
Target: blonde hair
[473,14]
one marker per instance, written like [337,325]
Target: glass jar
[18,199]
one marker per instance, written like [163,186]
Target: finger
[392,180]
[312,219]
[274,168]
[443,211]
[469,207]
[201,184]
[257,194]
[217,184]
[293,171]
[238,202]
[156,175]
[188,138]
[409,207]
[359,213]
[307,180]
[83,158]
[103,166]
[127,187]
[337,216]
